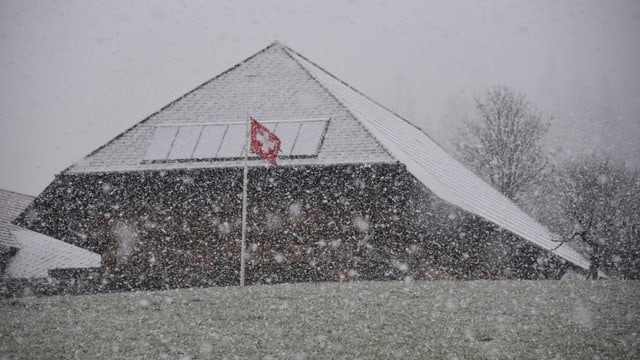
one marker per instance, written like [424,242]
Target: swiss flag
[264,143]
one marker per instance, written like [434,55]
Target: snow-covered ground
[449,320]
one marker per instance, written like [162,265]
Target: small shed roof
[40,253]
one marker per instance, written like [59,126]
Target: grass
[444,319]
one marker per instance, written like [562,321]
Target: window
[219,141]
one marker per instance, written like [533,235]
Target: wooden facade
[182,227]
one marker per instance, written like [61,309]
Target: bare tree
[502,142]
[601,200]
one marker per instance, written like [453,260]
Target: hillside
[479,319]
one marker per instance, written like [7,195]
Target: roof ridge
[360,93]
[286,50]
[275,43]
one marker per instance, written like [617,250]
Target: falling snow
[476,319]
[343,237]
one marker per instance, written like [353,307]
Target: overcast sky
[74,74]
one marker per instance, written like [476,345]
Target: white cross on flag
[264,143]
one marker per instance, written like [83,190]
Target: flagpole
[244,203]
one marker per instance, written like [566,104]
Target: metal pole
[244,203]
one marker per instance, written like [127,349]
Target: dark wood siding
[305,224]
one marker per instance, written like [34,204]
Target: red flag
[264,143]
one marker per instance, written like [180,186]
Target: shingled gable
[270,85]
[279,84]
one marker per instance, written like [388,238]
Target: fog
[74,74]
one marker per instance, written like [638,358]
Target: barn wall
[183,228]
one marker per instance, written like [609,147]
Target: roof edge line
[461,200]
[332,95]
[359,92]
[367,128]
[102,172]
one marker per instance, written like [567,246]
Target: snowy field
[437,320]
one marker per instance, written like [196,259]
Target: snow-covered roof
[11,205]
[278,83]
[40,253]
[435,168]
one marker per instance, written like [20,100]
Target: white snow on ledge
[40,253]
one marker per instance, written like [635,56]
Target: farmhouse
[358,192]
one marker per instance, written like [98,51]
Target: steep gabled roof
[435,168]
[40,253]
[11,205]
[278,83]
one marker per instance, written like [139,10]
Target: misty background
[74,74]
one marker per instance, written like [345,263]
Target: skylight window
[219,141]
[161,143]
[233,141]
[186,137]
